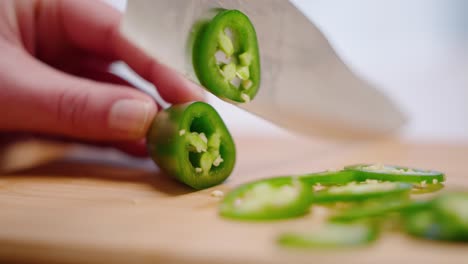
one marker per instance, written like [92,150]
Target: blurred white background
[414,51]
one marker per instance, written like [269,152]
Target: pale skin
[54,56]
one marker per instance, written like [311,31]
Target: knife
[305,87]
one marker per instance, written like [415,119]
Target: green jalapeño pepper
[396,173]
[331,236]
[191,143]
[275,198]
[226,59]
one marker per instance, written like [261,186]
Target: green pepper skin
[331,236]
[244,41]
[266,209]
[401,174]
[170,151]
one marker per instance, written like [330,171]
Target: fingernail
[130,117]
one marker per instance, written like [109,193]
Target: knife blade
[305,87]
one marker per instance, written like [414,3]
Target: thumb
[48,101]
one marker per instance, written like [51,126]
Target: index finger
[94,26]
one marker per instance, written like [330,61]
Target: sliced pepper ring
[331,236]
[395,173]
[422,224]
[452,208]
[353,191]
[275,198]
[377,209]
[235,77]
[446,219]
[191,143]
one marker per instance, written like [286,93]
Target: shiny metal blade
[305,87]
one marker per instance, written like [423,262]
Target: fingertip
[174,87]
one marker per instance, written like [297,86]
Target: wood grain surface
[86,208]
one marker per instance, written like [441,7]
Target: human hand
[54,79]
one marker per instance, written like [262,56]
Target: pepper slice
[275,198]
[446,219]
[331,236]
[327,178]
[423,224]
[226,58]
[453,208]
[431,182]
[377,210]
[353,191]
[395,173]
[191,143]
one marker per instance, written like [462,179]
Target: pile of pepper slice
[361,198]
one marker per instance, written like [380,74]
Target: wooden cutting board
[86,209]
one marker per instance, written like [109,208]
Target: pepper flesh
[231,33]
[191,143]
[275,198]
